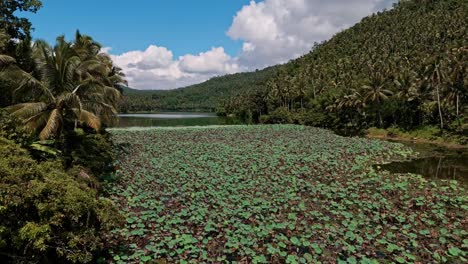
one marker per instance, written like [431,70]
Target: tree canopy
[200,97]
[404,67]
[15,26]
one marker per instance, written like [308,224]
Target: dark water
[172,119]
[434,162]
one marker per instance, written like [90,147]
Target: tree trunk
[378,113]
[380,118]
[440,109]
[458,117]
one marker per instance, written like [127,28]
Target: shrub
[10,128]
[280,115]
[95,152]
[46,215]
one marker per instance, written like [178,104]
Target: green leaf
[308,257]
[145,258]
[317,248]
[260,259]
[400,260]
[454,251]
[291,259]
[352,260]
[295,241]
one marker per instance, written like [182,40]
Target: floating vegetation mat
[279,194]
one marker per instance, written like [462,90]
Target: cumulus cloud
[271,31]
[155,67]
[213,61]
[153,57]
[275,31]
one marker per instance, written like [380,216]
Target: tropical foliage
[405,67]
[75,85]
[279,194]
[17,27]
[47,215]
[55,101]
[201,97]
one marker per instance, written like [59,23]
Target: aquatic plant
[279,194]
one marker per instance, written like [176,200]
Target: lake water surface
[433,162]
[169,119]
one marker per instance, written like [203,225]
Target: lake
[433,162]
[172,119]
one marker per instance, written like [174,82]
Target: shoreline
[444,144]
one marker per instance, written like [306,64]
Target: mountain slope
[405,67]
[206,96]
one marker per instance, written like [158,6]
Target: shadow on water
[434,162]
[173,119]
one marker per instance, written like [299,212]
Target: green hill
[405,68]
[206,96]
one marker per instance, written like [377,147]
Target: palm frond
[6,61]
[26,110]
[53,124]
[90,119]
[69,100]
[36,121]
[30,85]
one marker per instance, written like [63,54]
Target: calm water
[168,119]
[434,162]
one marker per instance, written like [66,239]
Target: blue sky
[186,26]
[166,44]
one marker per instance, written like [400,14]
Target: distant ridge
[396,55]
[206,96]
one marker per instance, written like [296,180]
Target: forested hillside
[206,96]
[405,68]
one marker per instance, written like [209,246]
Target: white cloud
[155,67]
[272,32]
[106,50]
[275,31]
[153,57]
[210,62]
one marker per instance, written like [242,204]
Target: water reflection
[434,163]
[173,119]
[169,115]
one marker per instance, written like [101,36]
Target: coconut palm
[457,86]
[406,85]
[71,89]
[434,77]
[375,93]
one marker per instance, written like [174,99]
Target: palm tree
[457,78]
[71,89]
[302,85]
[6,61]
[434,76]
[406,84]
[375,93]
